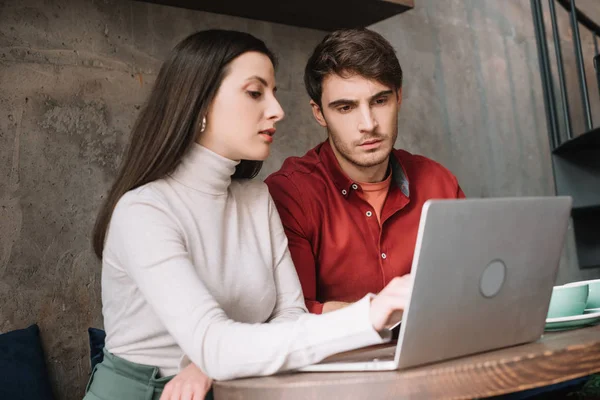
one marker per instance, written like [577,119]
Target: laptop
[482,277]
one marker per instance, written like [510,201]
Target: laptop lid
[483,273]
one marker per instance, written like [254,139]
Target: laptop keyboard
[385,352]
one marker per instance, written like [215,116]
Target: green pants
[118,379]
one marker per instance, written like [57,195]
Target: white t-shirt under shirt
[196,267]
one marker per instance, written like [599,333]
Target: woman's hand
[189,384]
[387,307]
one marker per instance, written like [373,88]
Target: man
[351,206]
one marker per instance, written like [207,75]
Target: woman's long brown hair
[169,122]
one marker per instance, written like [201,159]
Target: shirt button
[369,213]
[354,186]
[344,192]
[383,256]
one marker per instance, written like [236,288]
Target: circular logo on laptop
[492,278]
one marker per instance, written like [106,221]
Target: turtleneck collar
[204,170]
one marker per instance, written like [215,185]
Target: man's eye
[344,109]
[382,100]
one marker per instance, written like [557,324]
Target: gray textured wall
[73,75]
[473,97]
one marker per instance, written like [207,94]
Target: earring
[203,126]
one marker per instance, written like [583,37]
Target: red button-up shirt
[340,250]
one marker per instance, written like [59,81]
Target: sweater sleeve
[290,300]
[147,242]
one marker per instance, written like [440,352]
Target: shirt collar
[345,185]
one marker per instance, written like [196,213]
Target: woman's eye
[254,94]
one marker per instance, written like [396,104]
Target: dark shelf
[586,211]
[586,141]
[325,15]
[577,174]
[586,224]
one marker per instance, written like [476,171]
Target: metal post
[545,74]
[597,61]
[561,71]
[580,68]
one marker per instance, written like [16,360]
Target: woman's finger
[187,392]
[394,318]
[167,391]
[200,392]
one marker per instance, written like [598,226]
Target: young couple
[209,274]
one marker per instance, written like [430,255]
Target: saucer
[574,321]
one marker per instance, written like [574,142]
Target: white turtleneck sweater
[196,267]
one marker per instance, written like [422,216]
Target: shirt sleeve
[294,218]
[147,243]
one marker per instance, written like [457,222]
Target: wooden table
[556,357]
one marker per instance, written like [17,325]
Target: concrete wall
[473,96]
[73,75]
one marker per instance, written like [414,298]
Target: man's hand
[334,305]
[387,307]
[189,384]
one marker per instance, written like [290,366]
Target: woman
[195,261]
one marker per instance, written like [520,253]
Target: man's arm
[333,305]
[296,221]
